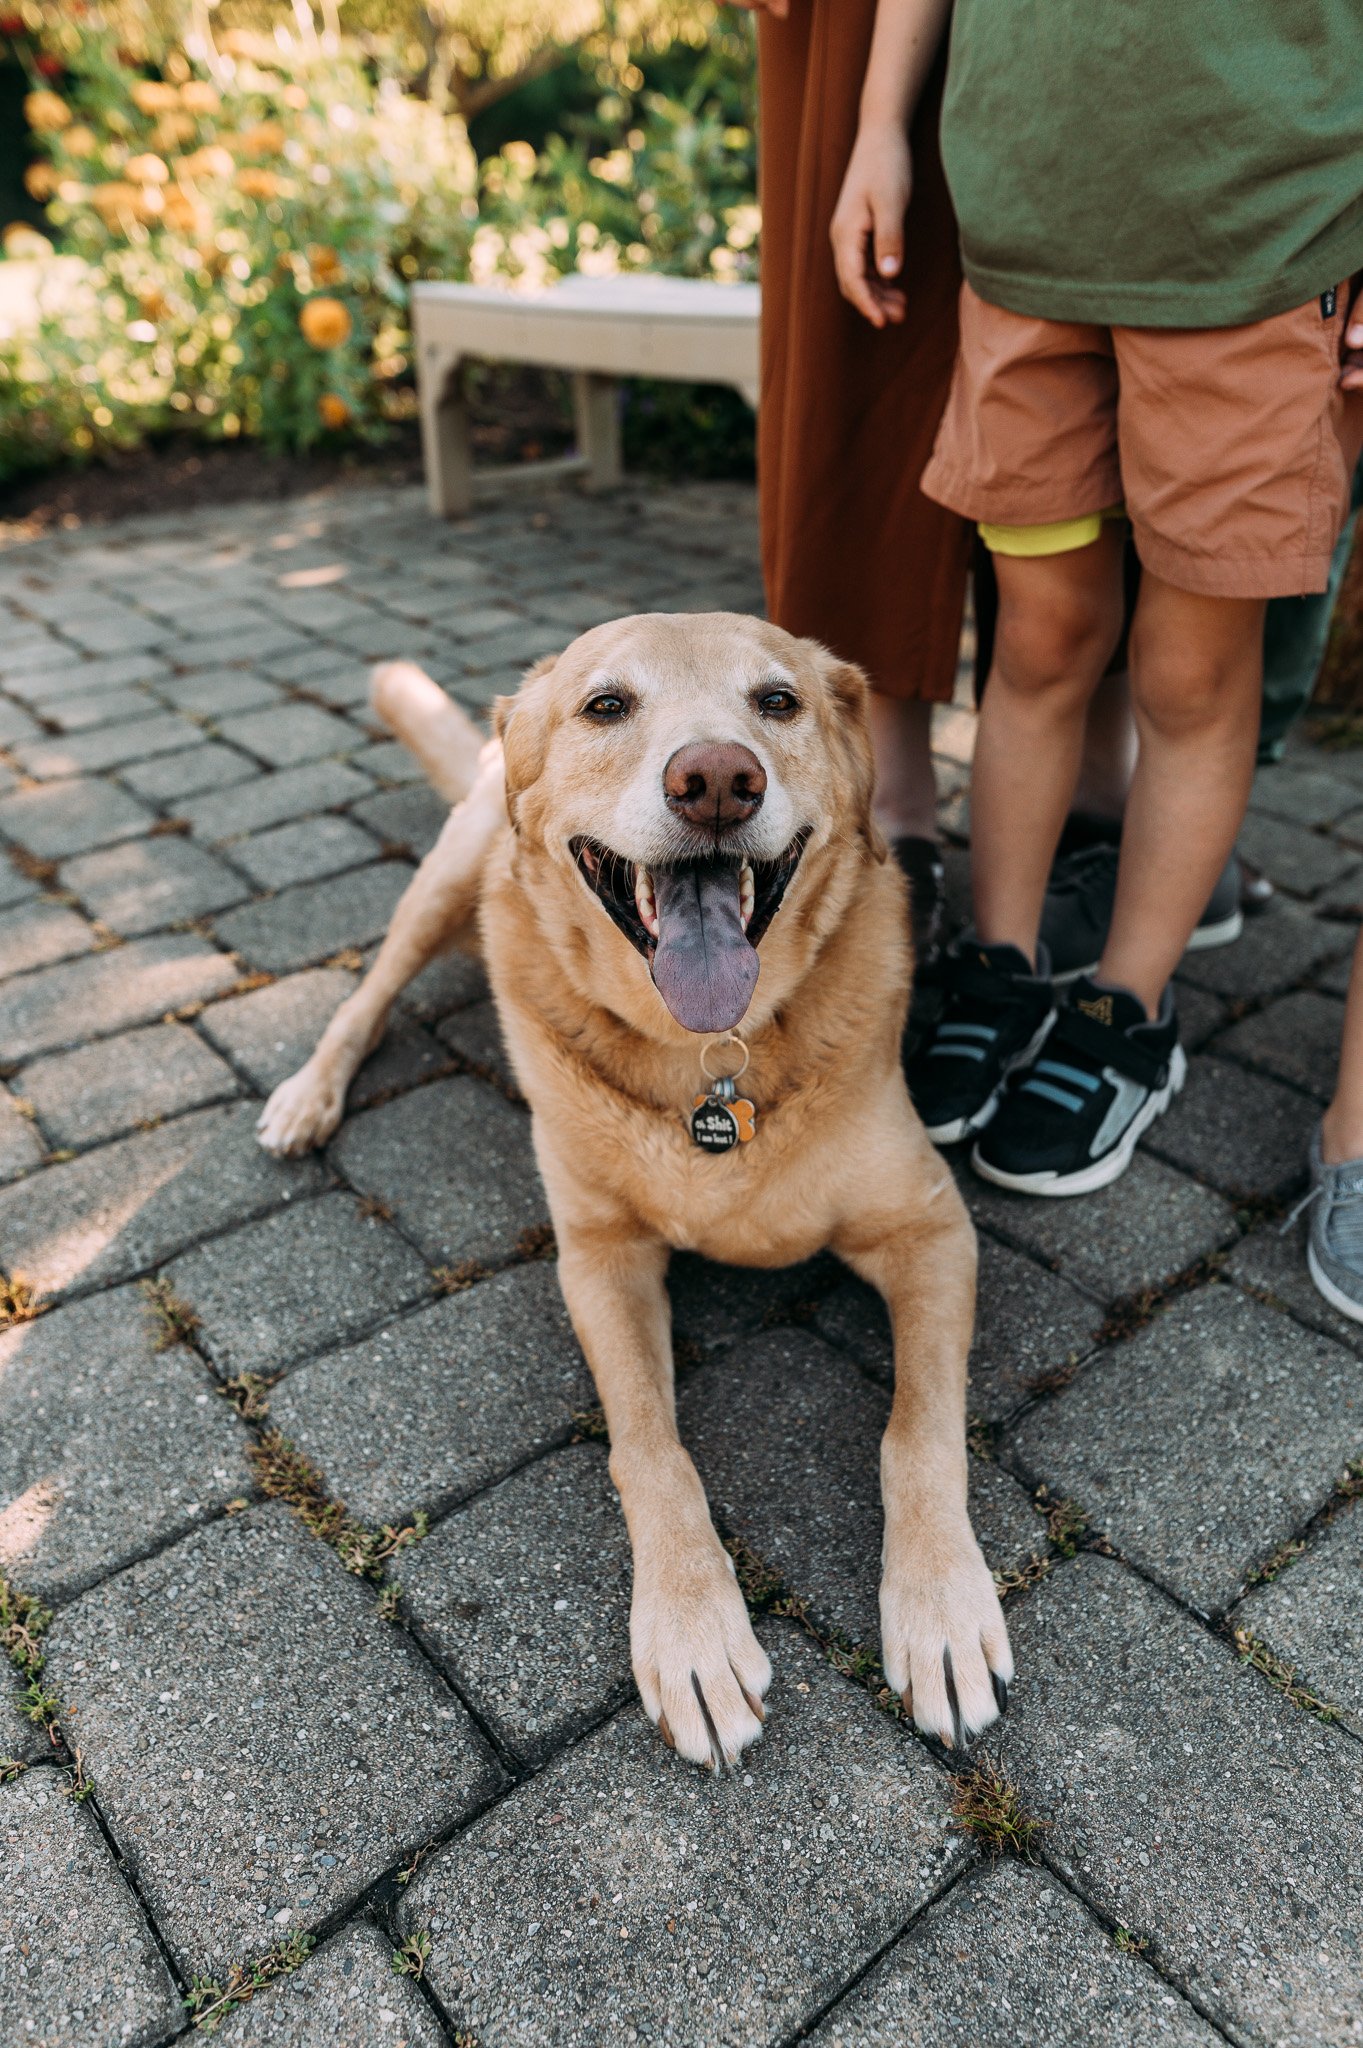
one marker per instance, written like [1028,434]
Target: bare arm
[867,231]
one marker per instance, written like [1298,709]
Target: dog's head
[686,768]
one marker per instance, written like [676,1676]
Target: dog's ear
[848,692]
[519,723]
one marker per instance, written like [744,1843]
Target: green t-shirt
[1156,163]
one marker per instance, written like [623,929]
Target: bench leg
[445,449]
[597,417]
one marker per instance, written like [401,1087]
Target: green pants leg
[1296,630]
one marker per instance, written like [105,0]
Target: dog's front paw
[944,1642]
[700,1670]
[301,1114]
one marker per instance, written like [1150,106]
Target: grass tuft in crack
[11,1767]
[1128,1943]
[209,2002]
[285,1474]
[454,1279]
[18,1302]
[987,1805]
[1066,1523]
[1282,1675]
[589,1426]
[176,1322]
[537,1242]
[411,1959]
[249,1394]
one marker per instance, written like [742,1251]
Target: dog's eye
[778,703]
[606,707]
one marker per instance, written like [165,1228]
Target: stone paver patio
[329,1662]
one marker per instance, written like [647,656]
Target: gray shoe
[1334,1251]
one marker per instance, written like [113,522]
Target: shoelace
[1345,1222]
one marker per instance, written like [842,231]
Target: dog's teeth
[643,901]
[747,895]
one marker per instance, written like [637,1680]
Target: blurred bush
[252,210]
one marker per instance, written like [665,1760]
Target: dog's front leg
[943,1637]
[700,1670]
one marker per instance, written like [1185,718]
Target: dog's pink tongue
[703,967]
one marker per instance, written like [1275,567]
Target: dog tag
[722,1119]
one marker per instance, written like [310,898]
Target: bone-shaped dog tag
[722,1119]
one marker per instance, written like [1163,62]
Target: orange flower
[325,323]
[170,131]
[151,305]
[334,411]
[45,111]
[183,211]
[146,170]
[267,138]
[211,162]
[79,141]
[324,263]
[257,184]
[294,96]
[151,96]
[114,199]
[40,181]
[200,97]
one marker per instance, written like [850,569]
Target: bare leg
[1342,1130]
[700,1670]
[1059,618]
[943,1636]
[906,787]
[304,1110]
[1196,675]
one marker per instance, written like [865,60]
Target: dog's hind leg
[304,1110]
[430,725]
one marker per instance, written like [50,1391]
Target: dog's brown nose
[714,782]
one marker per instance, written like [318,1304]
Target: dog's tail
[430,725]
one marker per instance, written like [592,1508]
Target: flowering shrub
[251,222]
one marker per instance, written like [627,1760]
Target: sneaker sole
[1326,1287]
[970,1126]
[1110,1167]
[1204,940]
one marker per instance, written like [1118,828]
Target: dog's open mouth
[698,923]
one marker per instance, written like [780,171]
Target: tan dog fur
[839,1158]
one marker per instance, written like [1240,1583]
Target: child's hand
[867,231]
[1351,354]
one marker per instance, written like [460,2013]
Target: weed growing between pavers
[176,1322]
[249,1393]
[988,1806]
[1131,1312]
[455,1279]
[210,2002]
[11,1767]
[285,1474]
[589,1426]
[32,866]
[1129,1944]
[1282,1675]
[170,828]
[411,1959]
[18,1302]
[23,1623]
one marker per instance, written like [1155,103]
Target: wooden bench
[599,329]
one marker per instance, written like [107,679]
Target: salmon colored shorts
[1232,448]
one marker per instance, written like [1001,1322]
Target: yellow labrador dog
[668,859]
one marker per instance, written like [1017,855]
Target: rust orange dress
[852,552]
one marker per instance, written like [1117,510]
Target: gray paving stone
[1314,791]
[316,919]
[14,887]
[62,818]
[413,817]
[129,1206]
[16,725]
[1149,1224]
[78,1964]
[272,799]
[786,1437]
[1008,1954]
[1312,1614]
[388,761]
[1193,1804]
[454,1164]
[475,1034]
[341,679]
[1029,1324]
[345,1996]
[53,760]
[20,1145]
[295,1283]
[1297,1038]
[449,983]
[218,693]
[1271,1262]
[265,1745]
[40,686]
[172,776]
[443,1403]
[1334,977]
[106,992]
[304,852]
[1200,1015]
[1241,1131]
[289,734]
[109,1448]
[1274,953]
[1298,860]
[100,1090]
[1203,1442]
[100,707]
[269,1032]
[523,1597]
[1342,902]
[39,934]
[622,1896]
[146,884]
[713,1304]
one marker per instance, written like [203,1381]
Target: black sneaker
[1078,910]
[995,1013]
[1070,1120]
[920,860]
